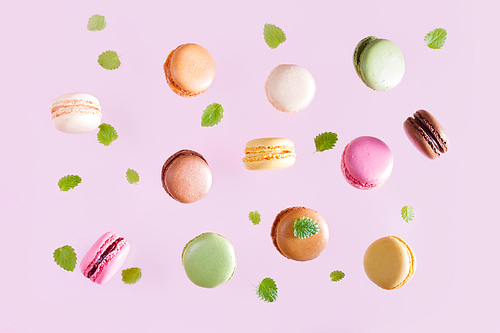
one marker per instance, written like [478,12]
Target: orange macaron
[189,70]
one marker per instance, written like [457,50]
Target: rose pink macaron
[366,162]
[105,258]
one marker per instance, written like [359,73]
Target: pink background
[47,51]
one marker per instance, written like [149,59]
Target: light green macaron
[209,260]
[379,63]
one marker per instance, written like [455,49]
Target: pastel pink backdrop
[47,51]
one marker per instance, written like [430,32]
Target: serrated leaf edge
[337,278]
[273,36]
[128,269]
[58,264]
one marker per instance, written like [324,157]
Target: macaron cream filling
[260,153]
[431,132]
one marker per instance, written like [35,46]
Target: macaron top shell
[186,176]
[209,260]
[190,70]
[291,247]
[389,262]
[426,133]
[366,162]
[379,63]
[290,88]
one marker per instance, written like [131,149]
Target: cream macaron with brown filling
[189,70]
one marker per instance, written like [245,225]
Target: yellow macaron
[269,154]
[389,262]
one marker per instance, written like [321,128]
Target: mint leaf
[69,182]
[106,134]
[273,35]
[212,115]
[109,60]
[337,276]
[305,227]
[325,141]
[65,257]
[132,176]
[267,290]
[131,275]
[254,217]
[436,38]
[407,213]
[96,23]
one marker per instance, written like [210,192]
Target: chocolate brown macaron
[426,134]
[186,176]
[295,248]
[189,69]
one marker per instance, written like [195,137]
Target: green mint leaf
[305,227]
[131,275]
[273,35]
[436,38]
[106,134]
[96,23]
[212,115]
[325,141]
[109,60]
[254,217]
[407,213]
[69,182]
[337,276]
[267,290]
[132,176]
[65,257]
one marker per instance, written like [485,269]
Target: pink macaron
[105,258]
[366,162]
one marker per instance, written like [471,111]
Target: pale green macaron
[209,260]
[379,63]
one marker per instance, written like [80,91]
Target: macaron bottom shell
[209,260]
[77,123]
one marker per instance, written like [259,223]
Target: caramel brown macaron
[426,134]
[186,176]
[190,70]
[293,247]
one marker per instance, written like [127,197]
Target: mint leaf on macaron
[267,290]
[109,60]
[69,182]
[325,141]
[107,134]
[212,115]
[96,23]
[273,35]
[65,257]
[131,275]
[305,227]
[436,38]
